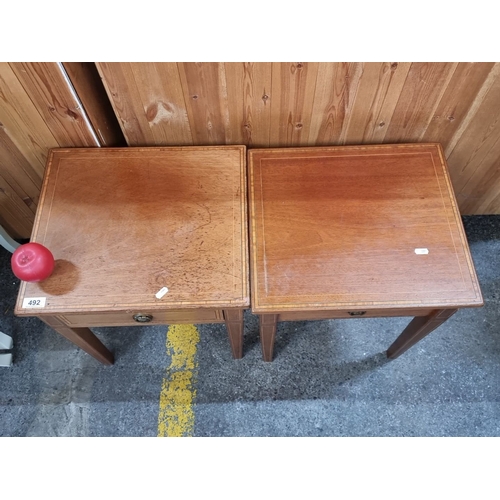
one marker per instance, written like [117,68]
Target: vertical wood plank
[204,92]
[479,179]
[248,94]
[160,92]
[242,129]
[420,95]
[478,194]
[89,87]
[490,202]
[15,216]
[471,113]
[336,87]
[122,90]
[46,86]
[39,110]
[22,121]
[18,173]
[462,89]
[313,104]
[380,85]
[474,160]
[292,94]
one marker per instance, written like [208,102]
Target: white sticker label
[34,302]
[421,251]
[162,292]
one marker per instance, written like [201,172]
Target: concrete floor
[329,378]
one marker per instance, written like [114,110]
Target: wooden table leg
[234,325]
[267,323]
[418,328]
[83,338]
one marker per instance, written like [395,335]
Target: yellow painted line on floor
[176,415]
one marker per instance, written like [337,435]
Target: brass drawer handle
[356,313]
[143,318]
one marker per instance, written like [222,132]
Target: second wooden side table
[357,231]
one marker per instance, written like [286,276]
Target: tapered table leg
[418,328]
[267,323]
[83,338]
[234,325]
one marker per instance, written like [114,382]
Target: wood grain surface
[122,223]
[293,91]
[320,104]
[88,85]
[352,313]
[248,90]
[338,228]
[259,104]
[57,104]
[177,316]
[424,87]
[38,111]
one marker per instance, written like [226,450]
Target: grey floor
[329,378]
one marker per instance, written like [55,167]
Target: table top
[349,227]
[123,223]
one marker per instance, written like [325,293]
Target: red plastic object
[32,262]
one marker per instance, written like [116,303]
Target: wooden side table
[142,236]
[357,231]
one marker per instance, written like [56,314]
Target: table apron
[158,317]
[351,314]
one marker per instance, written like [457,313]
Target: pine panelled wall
[39,110]
[44,105]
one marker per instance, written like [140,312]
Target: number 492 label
[34,302]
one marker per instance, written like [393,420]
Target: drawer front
[381,313]
[142,317]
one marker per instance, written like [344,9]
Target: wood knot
[394,65]
[300,65]
[51,108]
[72,114]
[195,97]
[299,125]
[151,112]
[265,97]
[247,126]
[29,202]
[451,118]
[381,124]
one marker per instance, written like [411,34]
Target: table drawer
[380,313]
[143,317]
